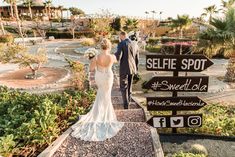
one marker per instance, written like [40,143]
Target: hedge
[6,39]
[68,35]
[153,41]
[156,48]
[167,49]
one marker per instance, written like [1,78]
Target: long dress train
[101,122]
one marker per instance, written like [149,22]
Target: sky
[170,8]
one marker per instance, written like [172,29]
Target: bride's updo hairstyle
[105,44]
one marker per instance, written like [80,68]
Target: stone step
[130,115]
[134,139]
[121,107]
[116,100]
[118,103]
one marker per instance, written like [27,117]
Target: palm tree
[160,15]
[221,36]
[154,12]
[226,5]
[15,8]
[11,7]
[146,12]
[181,23]
[47,5]
[2,27]
[61,14]
[14,3]
[210,11]
[29,3]
[131,25]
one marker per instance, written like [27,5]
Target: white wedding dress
[101,122]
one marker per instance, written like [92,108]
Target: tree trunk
[230,74]
[20,31]
[61,16]
[30,12]
[2,27]
[73,33]
[46,11]
[18,22]
[16,11]
[49,12]
[181,33]
[210,18]
[34,72]
[12,12]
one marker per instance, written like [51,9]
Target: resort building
[39,8]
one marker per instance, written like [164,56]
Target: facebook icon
[159,122]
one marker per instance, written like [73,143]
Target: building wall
[38,11]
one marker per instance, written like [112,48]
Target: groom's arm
[137,58]
[118,54]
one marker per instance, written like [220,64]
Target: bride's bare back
[103,60]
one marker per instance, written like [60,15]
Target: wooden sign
[178,84]
[193,63]
[174,103]
[176,121]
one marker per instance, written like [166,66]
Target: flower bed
[29,122]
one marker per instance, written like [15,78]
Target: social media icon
[177,122]
[159,122]
[194,121]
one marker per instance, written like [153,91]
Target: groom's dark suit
[128,55]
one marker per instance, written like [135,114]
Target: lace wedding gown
[101,122]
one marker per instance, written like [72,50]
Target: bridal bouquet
[90,53]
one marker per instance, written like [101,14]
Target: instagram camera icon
[194,121]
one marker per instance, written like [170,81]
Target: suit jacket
[128,56]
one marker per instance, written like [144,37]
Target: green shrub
[30,122]
[165,40]
[182,154]
[115,41]
[153,41]
[198,149]
[6,39]
[68,35]
[55,20]
[11,29]
[156,48]
[87,41]
[53,30]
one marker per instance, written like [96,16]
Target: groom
[128,55]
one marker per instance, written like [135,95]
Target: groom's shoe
[125,107]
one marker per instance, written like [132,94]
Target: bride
[101,122]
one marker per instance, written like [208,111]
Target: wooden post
[175,73]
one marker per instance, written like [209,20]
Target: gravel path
[133,140]
[131,115]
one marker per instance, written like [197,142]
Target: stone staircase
[134,139]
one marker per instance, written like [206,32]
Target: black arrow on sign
[174,103]
[179,84]
[193,63]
